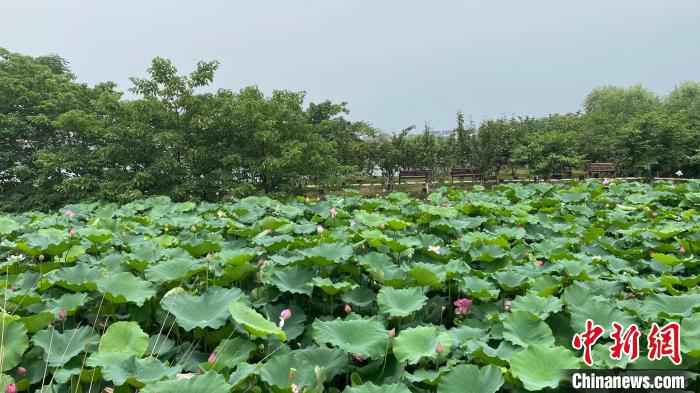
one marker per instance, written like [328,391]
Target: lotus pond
[478,291]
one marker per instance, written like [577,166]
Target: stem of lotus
[4,306]
[92,329]
[46,368]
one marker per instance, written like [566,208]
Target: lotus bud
[292,374]
[653,214]
[286,314]
[21,371]
[539,263]
[212,358]
[319,229]
[606,181]
[439,348]
[41,257]
[72,232]
[62,314]
[392,332]
[333,212]
[681,249]
[347,309]
[11,388]
[69,213]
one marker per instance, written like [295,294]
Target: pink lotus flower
[462,306]
[333,212]
[284,315]
[212,358]
[347,309]
[21,371]
[72,232]
[62,314]
[11,388]
[606,181]
[439,348]
[539,263]
[392,332]
[69,213]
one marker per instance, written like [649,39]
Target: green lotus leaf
[525,329]
[543,307]
[14,342]
[541,366]
[242,373]
[278,372]
[327,253]
[332,288]
[468,378]
[487,253]
[7,226]
[360,296]
[237,257]
[209,310]
[81,277]
[479,288]
[666,259]
[210,382]
[69,302]
[172,270]
[95,235]
[370,219]
[294,280]
[125,287]
[365,337]
[427,274]
[231,352]
[60,347]
[253,322]
[510,279]
[400,302]
[44,241]
[414,344]
[124,337]
[120,367]
[369,387]
[34,323]
[603,313]
[690,336]
[672,306]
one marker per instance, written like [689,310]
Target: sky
[396,63]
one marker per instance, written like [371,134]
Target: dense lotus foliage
[478,291]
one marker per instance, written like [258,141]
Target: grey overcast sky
[395,62]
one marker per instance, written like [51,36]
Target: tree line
[63,141]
